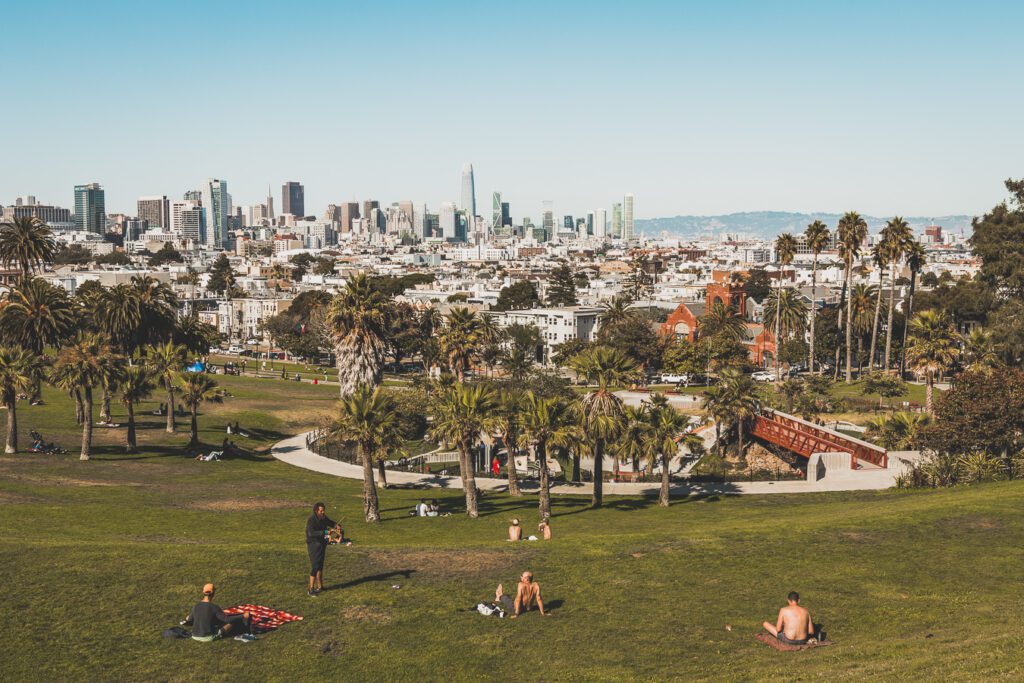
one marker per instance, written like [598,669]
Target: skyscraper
[155,210]
[216,206]
[568,223]
[627,217]
[600,223]
[496,223]
[590,224]
[547,218]
[293,199]
[446,220]
[187,220]
[90,208]
[349,214]
[616,220]
[270,205]
[368,206]
[468,191]
[506,215]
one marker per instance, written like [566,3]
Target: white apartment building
[556,325]
[239,319]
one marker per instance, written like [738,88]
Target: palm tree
[900,238]
[28,242]
[197,388]
[461,340]
[981,353]
[631,446]
[817,237]
[852,232]
[915,255]
[508,426]
[740,401]
[881,256]
[368,417]
[722,320]
[615,311]
[158,308]
[785,315]
[861,301]
[717,404]
[462,412]
[666,427]
[83,364]
[118,314]
[600,410]
[785,251]
[20,370]
[544,422]
[36,315]
[166,361]
[65,379]
[137,383]
[898,431]
[358,320]
[933,348]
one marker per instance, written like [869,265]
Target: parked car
[763,376]
[671,378]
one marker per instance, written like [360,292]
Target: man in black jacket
[317,529]
[209,622]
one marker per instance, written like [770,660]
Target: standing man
[317,529]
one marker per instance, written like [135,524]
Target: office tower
[496,215]
[506,215]
[187,220]
[257,214]
[590,224]
[616,221]
[270,205]
[349,214]
[368,206]
[47,214]
[547,217]
[419,221]
[216,206]
[600,223]
[193,196]
[293,199]
[432,225]
[446,221]
[406,214]
[90,208]
[462,223]
[627,217]
[568,223]
[155,210]
[468,190]
[26,200]
[132,229]
[333,213]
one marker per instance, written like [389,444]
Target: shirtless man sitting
[526,594]
[515,532]
[794,625]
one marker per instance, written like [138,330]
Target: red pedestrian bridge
[806,438]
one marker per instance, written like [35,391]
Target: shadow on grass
[404,573]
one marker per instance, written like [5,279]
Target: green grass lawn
[97,558]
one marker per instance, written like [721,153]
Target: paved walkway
[294,452]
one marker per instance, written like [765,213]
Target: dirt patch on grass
[856,535]
[243,504]
[365,613]
[67,481]
[462,562]
[979,524]
[7,498]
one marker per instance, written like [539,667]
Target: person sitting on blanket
[515,532]
[794,625]
[209,622]
[527,593]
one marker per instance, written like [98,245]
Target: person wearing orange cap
[209,622]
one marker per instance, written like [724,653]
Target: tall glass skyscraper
[468,190]
[90,208]
[496,222]
[616,220]
[293,199]
[547,217]
[216,206]
[627,217]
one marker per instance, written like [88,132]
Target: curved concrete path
[293,451]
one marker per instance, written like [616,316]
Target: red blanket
[264,618]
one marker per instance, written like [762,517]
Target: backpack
[177,632]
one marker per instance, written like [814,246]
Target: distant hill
[768,224]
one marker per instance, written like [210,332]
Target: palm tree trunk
[170,405]
[12,427]
[131,445]
[371,511]
[79,410]
[874,325]
[739,437]
[777,332]
[928,384]
[382,473]
[888,323]
[814,311]
[663,494]
[87,426]
[718,438]
[105,406]
[849,325]
[576,467]
[469,481]
[906,323]
[598,497]
[544,499]
[510,467]
[194,428]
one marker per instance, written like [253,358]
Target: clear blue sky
[696,107]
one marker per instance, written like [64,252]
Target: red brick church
[727,289]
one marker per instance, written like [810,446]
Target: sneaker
[245,638]
[311,593]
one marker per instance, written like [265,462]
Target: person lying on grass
[209,622]
[527,593]
[794,625]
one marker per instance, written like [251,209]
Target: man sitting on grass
[526,594]
[794,625]
[209,622]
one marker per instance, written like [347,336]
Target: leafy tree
[520,295]
[461,413]
[600,410]
[457,298]
[114,258]
[638,284]
[72,255]
[565,351]
[757,284]
[682,356]
[28,243]
[885,386]
[357,319]
[222,275]
[197,388]
[368,418]
[998,240]
[561,287]
[167,254]
[929,280]
[793,351]
[20,371]
[136,383]
[323,266]
[632,335]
